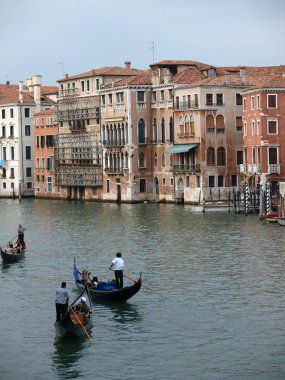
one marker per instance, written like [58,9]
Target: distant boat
[10,253]
[108,291]
[75,323]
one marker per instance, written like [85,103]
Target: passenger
[10,248]
[83,308]
[85,277]
[19,247]
[95,282]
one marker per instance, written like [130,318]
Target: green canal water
[217,312]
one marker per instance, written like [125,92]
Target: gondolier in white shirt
[119,265]
[61,301]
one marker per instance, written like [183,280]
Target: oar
[152,290]
[10,240]
[82,326]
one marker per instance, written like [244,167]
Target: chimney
[21,97]
[29,84]
[243,75]
[7,83]
[127,64]
[36,82]
[228,79]
[65,76]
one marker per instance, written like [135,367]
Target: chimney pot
[127,64]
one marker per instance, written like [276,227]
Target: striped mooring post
[268,198]
[246,199]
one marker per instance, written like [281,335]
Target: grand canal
[217,309]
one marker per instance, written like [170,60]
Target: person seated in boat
[19,247]
[95,282]
[83,307]
[10,248]
[85,276]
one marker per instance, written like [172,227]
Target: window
[141,160]
[141,130]
[49,184]
[88,85]
[211,181]
[239,157]
[211,73]
[244,129]
[170,94]
[27,130]
[171,130]
[28,172]
[271,127]
[271,101]
[37,121]
[154,126]
[110,100]
[11,130]
[12,153]
[162,131]
[155,160]
[27,112]
[12,173]
[153,97]
[38,163]
[29,185]
[4,172]
[252,127]
[142,185]
[220,100]
[238,123]
[258,127]
[49,141]
[28,153]
[4,184]
[196,100]
[3,131]
[120,98]
[4,153]
[238,100]
[162,95]
[42,141]
[252,103]
[163,160]
[234,180]
[103,101]
[220,181]
[221,156]
[272,156]
[38,142]
[253,155]
[97,84]
[188,101]
[82,86]
[108,186]
[3,114]
[209,99]
[198,181]
[244,104]
[177,102]
[11,113]
[140,96]
[211,156]
[258,102]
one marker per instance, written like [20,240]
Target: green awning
[182,148]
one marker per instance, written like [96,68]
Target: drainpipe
[130,145]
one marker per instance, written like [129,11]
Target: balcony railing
[114,142]
[274,169]
[114,171]
[192,168]
[186,105]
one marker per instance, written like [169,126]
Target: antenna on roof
[152,48]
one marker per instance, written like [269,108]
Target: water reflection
[122,313]
[65,357]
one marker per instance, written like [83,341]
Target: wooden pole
[84,329]
[152,290]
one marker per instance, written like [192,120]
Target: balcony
[186,168]
[113,143]
[274,169]
[114,171]
[184,106]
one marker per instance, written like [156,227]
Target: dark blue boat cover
[106,286]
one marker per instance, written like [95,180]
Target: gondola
[10,254]
[74,323]
[108,291]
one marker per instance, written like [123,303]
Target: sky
[56,37]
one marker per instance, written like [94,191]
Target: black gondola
[108,291]
[10,253]
[74,322]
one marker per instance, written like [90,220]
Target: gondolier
[21,230]
[61,301]
[119,265]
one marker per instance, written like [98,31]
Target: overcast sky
[53,37]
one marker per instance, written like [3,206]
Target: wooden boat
[10,254]
[75,323]
[271,217]
[108,291]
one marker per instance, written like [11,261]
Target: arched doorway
[156,187]
[180,190]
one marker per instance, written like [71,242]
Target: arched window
[142,134]
[141,160]
[171,130]
[187,125]
[192,128]
[181,125]
[220,123]
[210,124]
[163,160]
[221,156]
[163,131]
[154,127]
[155,160]
[126,160]
[106,160]
[211,157]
